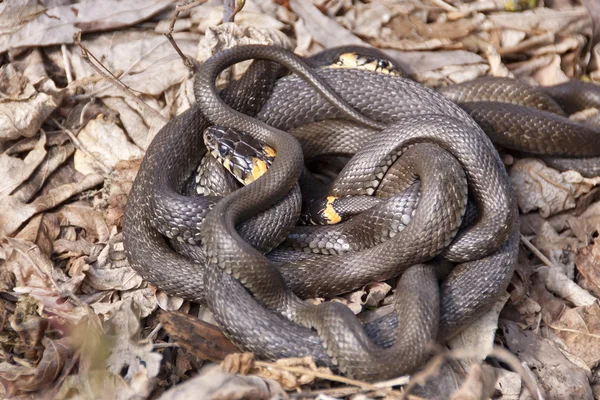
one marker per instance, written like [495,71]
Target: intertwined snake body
[255,298]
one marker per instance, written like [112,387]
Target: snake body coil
[418,143]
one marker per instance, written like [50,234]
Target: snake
[258,300]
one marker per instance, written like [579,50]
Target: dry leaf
[588,264]
[19,379]
[22,113]
[130,357]
[557,282]
[35,275]
[107,143]
[58,24]
[579,329]
[292,380]
[543,188]
[558,377]
[13,213]
[212,384]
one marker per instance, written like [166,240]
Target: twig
[109,76]
[157,328]
[322,375]
[538,253]
[187,61]
[105,168]
[502,354]
[63,49]
[126,71]
[164,345]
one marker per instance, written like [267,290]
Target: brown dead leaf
[588,264]
[30,327]
[107,143]
[56,156]
[109,269]
[16,170]
[558,283]
[23,114]
[543,188]
[57,24]
[212,384]
[118,186]
[82,215]
[579,330]
[20,379]
[43,229]
[13,213]
[35,275]
[129,356]
[557,376]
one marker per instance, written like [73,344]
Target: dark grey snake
[417,143]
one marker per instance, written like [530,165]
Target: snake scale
[408,144]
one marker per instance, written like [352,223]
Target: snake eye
[223,149]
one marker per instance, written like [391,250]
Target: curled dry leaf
[558,377]
[16,170]
[20,379]
[56,156]
[34,274]
[559,249]
[204,340]
[13,213]
[118,186]
[557,282]
[539,187]
[107,143]
[212,384]
[26,108]
[57,24]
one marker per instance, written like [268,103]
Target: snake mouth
[373,64]
[243,156]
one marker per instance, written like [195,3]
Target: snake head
[242,155]
[368,63]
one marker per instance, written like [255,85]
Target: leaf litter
[79,322]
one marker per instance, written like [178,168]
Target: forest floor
[77,112]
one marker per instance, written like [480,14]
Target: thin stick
[63,50]
[535,251]
[318,374]
[109,76]
[105,168]
[187,61]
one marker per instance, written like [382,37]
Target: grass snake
[409,143]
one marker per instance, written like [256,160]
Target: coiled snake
[410,144]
